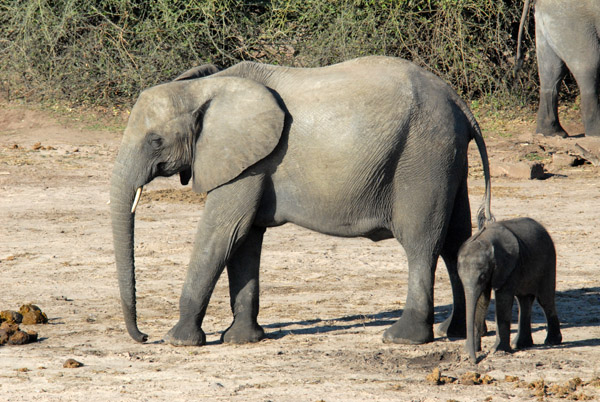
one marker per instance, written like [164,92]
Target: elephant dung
[72,363]
[11,317]
[32,314]
[19,338]
[4,336]
[471,378]
[11,334]
[436,377]
[9,327]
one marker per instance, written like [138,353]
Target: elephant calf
[516,257]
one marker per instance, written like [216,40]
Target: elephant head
[208,130]
[485,261]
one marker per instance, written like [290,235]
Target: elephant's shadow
[316,326]
[575,307]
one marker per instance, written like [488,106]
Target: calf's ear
[506,251]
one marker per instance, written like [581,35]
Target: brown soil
[325,301]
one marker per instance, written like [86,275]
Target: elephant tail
[524,15]
[484,213]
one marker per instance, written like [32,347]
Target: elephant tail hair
[484,213]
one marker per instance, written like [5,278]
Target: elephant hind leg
[243,273]
[554,337]
[459,230]
[551,69]
[586,75]
[421,233]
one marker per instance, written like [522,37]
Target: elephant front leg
[206,265]
[228,217]
[504,302]
[243,273]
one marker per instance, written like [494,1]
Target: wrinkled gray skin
[566,36]
[373,147]
[516,258]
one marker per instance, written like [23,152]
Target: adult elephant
[566,37]
[373,147]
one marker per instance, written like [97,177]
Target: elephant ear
[198,72]
[506,256]
[240,124]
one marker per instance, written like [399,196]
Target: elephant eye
[155,140]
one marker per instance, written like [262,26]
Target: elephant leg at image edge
[551,70]
[243,273]
[586,76]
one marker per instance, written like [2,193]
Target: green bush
[103,52]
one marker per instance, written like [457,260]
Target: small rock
[11,317]
[519,170]
[36,146]
[72,363]
[560,160]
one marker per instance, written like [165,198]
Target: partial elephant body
[373,147]
[353,154]
[514,258]
[567,37]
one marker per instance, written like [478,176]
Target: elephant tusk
[136,200]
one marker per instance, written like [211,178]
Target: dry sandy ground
[325,301]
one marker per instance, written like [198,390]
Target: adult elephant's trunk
[473,340]
[122,193]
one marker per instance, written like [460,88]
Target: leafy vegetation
[103,52]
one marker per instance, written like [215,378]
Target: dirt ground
[325,301]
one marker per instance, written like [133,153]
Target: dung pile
[28,314]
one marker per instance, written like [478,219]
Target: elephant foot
[501,347]
[554,339]
[452,327]
[185,335]
[243,333]
[409,330]
[550,127]
[522,343]
[554,131]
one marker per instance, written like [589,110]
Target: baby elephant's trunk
[473,338]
